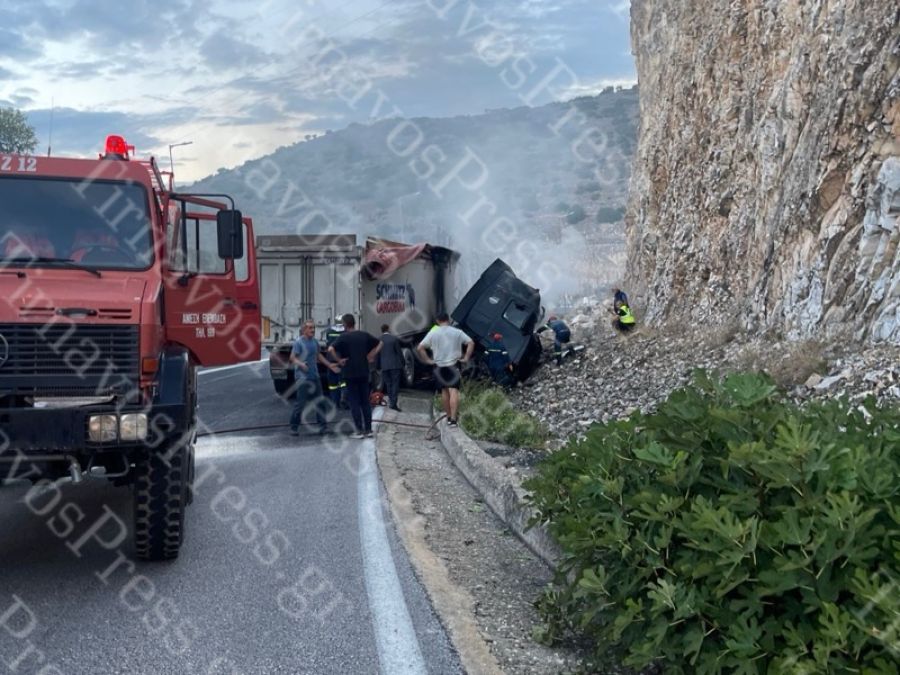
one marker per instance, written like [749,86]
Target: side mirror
[230,234]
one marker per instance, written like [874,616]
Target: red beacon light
[116,148]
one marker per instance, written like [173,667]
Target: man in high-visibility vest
[624,320]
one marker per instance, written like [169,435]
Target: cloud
[621,8]
[81,133]
[224,69]
[6,74]
[14,45]
[142,23]
[222,51]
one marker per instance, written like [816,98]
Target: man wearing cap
[498,360]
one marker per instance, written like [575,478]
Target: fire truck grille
[68,359]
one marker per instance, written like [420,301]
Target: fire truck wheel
[191,473]
[160,497]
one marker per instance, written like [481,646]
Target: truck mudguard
[175,394]
[174,377]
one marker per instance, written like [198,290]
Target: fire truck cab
[113,289]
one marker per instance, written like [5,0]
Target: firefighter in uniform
[561,336]
[337,387]
[498,360]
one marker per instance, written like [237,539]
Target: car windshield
[98,224]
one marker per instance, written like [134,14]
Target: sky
[239,79]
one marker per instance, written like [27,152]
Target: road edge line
[398,645]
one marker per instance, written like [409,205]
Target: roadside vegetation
[485,413]
[731,531]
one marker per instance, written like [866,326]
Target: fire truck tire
[409,368]
[192,470]
[160,497]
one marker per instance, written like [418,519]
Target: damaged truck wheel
[409,368]
[161,490]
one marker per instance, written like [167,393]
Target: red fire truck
[113,289]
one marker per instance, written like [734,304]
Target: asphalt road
[289,566]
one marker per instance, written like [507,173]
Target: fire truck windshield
[97,224]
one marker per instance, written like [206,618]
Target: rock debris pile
[618,374]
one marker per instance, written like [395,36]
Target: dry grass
[801,360]
[722,334]
[787,363]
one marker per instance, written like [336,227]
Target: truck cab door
[211,301]
[247,296]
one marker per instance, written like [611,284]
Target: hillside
[559,173]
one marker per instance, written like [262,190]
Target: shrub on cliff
[731,532]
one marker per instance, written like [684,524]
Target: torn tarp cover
[382,261]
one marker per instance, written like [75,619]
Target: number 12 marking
[18,164]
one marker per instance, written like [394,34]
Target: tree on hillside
[16,135]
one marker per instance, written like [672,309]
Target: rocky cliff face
[766,188]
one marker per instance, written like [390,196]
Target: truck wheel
[160,497]
[409,368]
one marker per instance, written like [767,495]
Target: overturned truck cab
[500,302]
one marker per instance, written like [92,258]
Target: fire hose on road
[265,427]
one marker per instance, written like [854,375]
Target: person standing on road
[391,366]
[446,343]
[335,382]
[305,357]
[355,350]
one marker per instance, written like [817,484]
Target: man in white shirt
[446,343]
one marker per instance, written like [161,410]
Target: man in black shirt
[355,350]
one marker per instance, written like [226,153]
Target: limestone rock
[766,187]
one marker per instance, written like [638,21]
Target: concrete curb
[500,492]
[454,605]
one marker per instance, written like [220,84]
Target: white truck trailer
[323,277]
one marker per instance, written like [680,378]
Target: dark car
[500,302]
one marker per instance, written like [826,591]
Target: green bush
[486,414]
[731,532]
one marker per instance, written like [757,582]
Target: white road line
[398,647]
[236,365]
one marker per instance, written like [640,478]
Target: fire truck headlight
[133,427]
[102,428]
